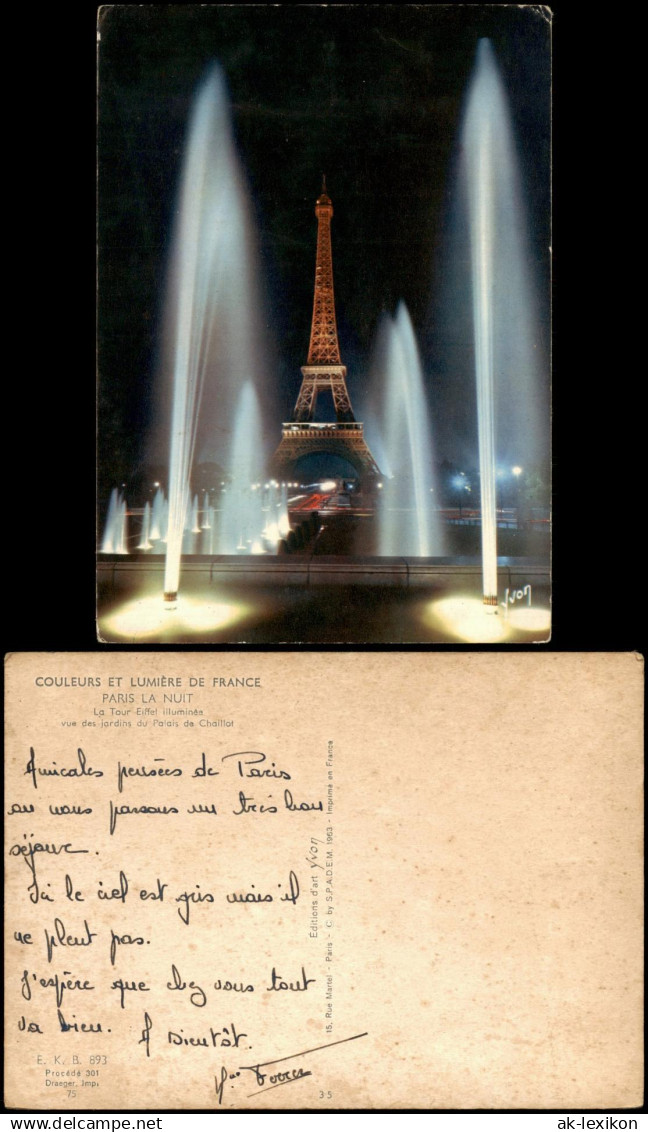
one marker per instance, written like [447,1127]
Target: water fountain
[240,519]
[115,537]
[408,520]
[158,517]
[145,536]
[212,330]
[505,357]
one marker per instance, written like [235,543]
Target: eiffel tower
[302,435]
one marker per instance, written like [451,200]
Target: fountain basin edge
[406,572]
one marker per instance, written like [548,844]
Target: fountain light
[467,619]
[463,617]
[144,617]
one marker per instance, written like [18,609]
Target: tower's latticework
[324,370]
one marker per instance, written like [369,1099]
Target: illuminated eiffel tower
[302,435]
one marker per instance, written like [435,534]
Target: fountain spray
[483,116]
[211,319]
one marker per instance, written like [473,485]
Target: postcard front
[340,881]
[324,251]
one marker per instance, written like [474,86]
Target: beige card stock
[260,881]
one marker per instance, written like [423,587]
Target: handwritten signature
[513,596]
[272,1078]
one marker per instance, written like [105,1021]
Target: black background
[599,495]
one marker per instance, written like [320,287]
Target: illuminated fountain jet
[502,299]
[409,522]
[145,541]
[115,538]
[211,323]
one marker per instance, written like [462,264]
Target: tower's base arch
[345,440]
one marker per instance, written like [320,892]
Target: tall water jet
[115,537]
[505,354]
[121,538]
[145,541]
[241,518]
[284,519]
[205,523]
[211,324]
[110,535]
[195,517]
[409,522]
[158,530]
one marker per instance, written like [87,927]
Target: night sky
[369,95]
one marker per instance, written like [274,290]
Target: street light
[460,483]
[517,472]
